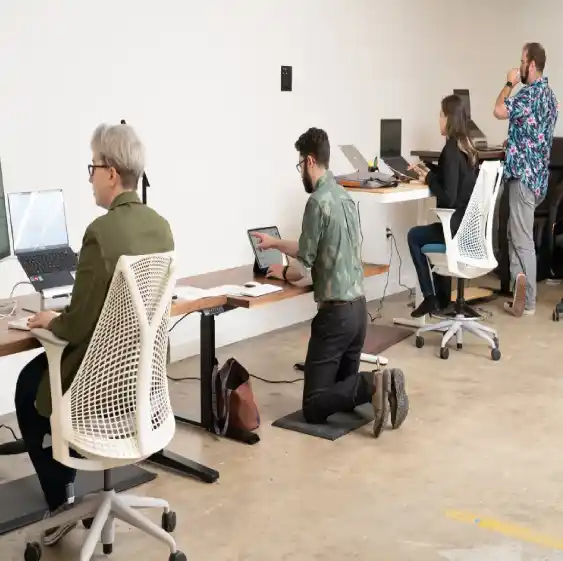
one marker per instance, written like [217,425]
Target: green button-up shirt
[128,228]
[330,243]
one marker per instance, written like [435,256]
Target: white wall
[200,81]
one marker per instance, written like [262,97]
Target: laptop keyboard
[49,262]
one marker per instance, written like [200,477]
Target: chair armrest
[54,348]
[46,337]
[445,216]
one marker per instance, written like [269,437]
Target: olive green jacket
[128,228]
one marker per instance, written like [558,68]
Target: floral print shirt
[532,114]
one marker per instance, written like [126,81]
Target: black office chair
[548,217]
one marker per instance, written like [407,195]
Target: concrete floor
[475,473]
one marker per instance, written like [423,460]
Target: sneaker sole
[398,398]
[57,535]
[519,300]
[380,401]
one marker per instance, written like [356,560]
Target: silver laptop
[356,159]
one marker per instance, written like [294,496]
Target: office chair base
[454,328]
[99,512]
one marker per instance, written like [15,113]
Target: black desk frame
[207,365]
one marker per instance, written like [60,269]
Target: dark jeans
[53,476]
[332,380]
[418,237]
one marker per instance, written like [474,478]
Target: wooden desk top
[240,275]
[356,187]
[13,341]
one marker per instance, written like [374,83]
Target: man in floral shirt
[532,114]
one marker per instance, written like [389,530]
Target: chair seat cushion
[434,248]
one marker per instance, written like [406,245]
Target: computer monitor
[5,250]
[390,138]
[38,220]
[464,96]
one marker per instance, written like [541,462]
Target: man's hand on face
[513,76]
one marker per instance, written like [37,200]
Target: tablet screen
[268,257]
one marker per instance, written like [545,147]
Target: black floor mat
[337,425]
[22,502]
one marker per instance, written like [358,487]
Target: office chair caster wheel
[169,521]
[32,552]
[177,556]
[459,346]
[107,548]
[87,523]
[555,316]
[495,354]
[444,353]
[419,342]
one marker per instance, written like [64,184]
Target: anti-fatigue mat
[337,425]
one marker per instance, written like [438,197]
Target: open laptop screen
[38,220]
[390,138]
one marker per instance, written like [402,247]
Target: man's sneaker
[380,400]
[516,307]
[398,398]
[526,312]
[53,535]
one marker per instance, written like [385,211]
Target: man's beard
[307,182]
[525,73]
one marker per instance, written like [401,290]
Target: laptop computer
[40,240]
[374,179]
[391,140]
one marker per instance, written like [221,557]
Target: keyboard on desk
[19,323]
[49,262]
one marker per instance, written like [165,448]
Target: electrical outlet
[388,233]
[286,78]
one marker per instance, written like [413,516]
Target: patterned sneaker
[516,307]
[398,398]
[53,535]
[380,401]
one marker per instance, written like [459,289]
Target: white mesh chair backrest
[119,398]
[474,236]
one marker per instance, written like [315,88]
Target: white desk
[405,192]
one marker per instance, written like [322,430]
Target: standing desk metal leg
[416,322]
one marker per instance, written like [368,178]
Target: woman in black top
[451,182]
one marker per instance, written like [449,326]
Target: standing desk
[404,192]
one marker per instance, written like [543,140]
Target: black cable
[252,376]
[180,320]
[11,430]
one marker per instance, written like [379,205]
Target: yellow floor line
[507,529]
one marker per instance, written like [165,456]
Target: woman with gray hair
[128,228]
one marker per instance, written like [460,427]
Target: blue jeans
[418,237]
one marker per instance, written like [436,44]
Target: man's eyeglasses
[299,166]
[92,168]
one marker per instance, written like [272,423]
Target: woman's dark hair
[457,125]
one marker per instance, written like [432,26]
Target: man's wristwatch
[285,273]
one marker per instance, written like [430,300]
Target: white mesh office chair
[466,256]
[117,410]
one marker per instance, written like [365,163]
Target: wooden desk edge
[291,291]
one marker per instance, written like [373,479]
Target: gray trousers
[521,238]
